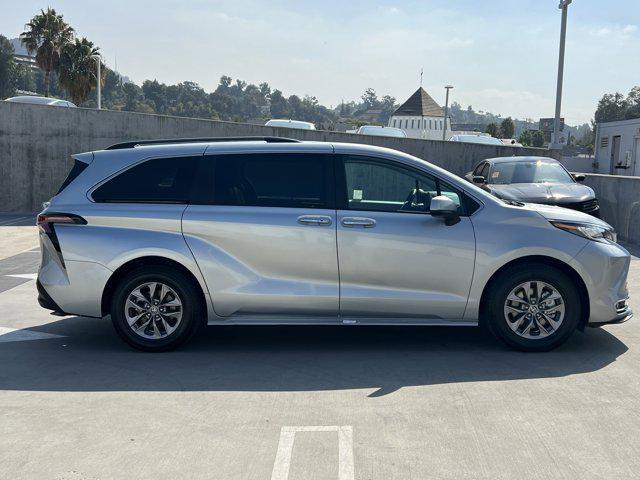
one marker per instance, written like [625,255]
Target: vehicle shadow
[91,358]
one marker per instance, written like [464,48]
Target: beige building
[420,117]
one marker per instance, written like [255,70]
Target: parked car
[56,102]
[164,236]
[298,124]
[535,180]
[378,131]
[479,138]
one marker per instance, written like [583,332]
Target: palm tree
[46,34]
[78,69]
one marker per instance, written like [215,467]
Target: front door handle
[363,222]
[314,220]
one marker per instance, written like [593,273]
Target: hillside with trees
[67,70]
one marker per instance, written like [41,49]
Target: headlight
[587,230]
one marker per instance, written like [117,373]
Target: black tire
[192,315]
[517,275]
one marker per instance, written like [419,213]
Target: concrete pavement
[299,402]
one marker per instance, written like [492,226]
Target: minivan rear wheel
[155,308]
[533,307]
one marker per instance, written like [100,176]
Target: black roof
[420,104]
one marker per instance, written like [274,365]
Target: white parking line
[20,335]
[28,276]
[285,449]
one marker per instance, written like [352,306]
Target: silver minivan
[165,236]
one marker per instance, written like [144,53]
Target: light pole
[446,112]
[98,60]
[564,5]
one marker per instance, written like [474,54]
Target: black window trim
[125,169]
[342,197]
[479,167]
[204,196]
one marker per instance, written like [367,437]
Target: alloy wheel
[534,309]
[153,310]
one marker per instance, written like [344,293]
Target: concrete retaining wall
[36,143]
[619,203]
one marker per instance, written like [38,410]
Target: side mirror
[443,206]
[579,177]
[479,179]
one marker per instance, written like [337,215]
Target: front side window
[159,180]
[273,180]
[378,185]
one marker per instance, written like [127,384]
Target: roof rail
[164,141]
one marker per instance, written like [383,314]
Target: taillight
[46,220]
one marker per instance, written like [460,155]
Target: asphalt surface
[309,402]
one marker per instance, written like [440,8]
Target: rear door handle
[314,220]
[363,222]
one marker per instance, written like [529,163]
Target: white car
[298,124]
[37,100]
[379,131]
[483,139]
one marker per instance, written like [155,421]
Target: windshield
[534,171]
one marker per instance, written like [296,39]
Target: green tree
[25,79]
[537,138]
[611,107]
[46,35]
[633,104]
[8,69]
[77,69]
[492,129]
[370,98]
[279,105]
[525,138]
[507,128]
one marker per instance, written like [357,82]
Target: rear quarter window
[77,169]
[159,180]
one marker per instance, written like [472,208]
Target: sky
[500,55]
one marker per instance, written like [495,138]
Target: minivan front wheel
[533,307]
[155,308]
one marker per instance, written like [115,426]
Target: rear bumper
[45,300]
[72,287]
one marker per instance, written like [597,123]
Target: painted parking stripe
[28,276]
[282,462]
[21,335]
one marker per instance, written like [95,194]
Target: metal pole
[564,4]
[446,112]
[98,59]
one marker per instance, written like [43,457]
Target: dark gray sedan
[535,180]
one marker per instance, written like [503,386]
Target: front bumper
[604,268]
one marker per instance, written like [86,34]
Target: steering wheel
[416,201]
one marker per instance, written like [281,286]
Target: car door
[263,234]
[398,264]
